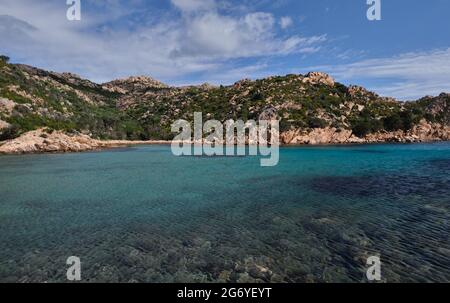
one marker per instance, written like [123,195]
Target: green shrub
[257,96]
[365,126]
[4,59]
[9,133]
[393,122]
[314,122]
[399,121]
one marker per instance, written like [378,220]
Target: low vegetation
[142,108]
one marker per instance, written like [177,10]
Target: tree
[407,119]
[393,122]
[366,125]
[315,122]
[5,59]
[8,133]
[257,96]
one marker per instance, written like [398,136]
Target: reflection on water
[143,215]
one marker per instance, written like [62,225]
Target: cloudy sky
[405,55]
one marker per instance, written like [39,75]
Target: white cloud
[222,37]
[412,75]
[171,48]
[286,22]
[194,5]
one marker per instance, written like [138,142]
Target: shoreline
[41,141]
[44,141]
[112,145]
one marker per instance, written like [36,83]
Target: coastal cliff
[79,115]
[423,132]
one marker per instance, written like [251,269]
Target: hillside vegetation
[141,108]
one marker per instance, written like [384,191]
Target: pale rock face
[439,105]
[114,89]
[316,136]
[41,141]
[423,132]
[133,83]
[33,99]
[6,106]
[241,83]
[355,90]
[4,125]
[268,114]
[207,86]
[319,78]
[381,137]
[355,140]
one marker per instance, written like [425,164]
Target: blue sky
[405,55]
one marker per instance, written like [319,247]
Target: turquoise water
[141,214]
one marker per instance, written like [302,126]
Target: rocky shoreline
[423,132]
[44,141]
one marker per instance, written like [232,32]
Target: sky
[405,55]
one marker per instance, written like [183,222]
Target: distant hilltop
[312,108]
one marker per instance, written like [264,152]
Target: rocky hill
[312,108]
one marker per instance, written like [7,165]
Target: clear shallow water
[141,214]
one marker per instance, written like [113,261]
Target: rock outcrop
[131,84]
[423,132]
[318,78]
[318,136]
[6,106]
[45,141]
[4,125]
